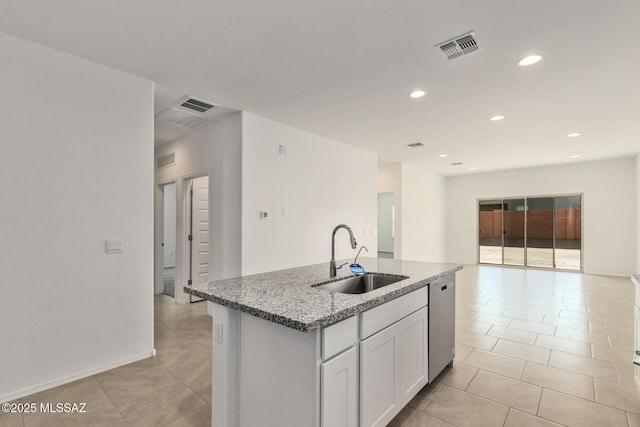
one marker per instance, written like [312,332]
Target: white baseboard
[80,375]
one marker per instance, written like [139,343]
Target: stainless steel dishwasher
[442,318]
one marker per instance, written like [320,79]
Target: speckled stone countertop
[288,298]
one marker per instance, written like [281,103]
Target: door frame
[158,235]
[187,273]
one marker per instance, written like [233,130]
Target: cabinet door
[339,390]
[378,396]
[413,372]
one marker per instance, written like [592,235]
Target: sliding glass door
[568,232]
[540,232]
[490,231]
[531,231]
[514,235]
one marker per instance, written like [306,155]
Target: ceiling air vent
[459,46]
[456,163]
[197,105]
[188,112]
[416,145]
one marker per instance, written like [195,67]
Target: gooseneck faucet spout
[332,264]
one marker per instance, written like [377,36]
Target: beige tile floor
[171,389]
[533,348]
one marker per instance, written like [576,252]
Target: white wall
[321,183]
[76,143]
[169,211]
[637,215]
[215,151]
[609,208]
[423,214]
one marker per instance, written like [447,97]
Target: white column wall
[77,144]
[423,214]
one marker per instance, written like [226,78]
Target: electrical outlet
[219,333]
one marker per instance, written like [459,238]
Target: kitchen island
[288,353]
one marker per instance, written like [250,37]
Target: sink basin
[361,284]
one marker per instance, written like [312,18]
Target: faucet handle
[341,265]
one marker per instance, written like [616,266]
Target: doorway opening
[197,232]
[169,239]
[541,232]
[386,227]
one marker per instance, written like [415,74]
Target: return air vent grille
[166,161]
[188,112]
[456,163]
[197,105]
[458,46]
[416,145]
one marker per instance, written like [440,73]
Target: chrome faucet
[332,264]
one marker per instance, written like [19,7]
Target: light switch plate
[113,246]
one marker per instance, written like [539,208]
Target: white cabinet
[413,355]
[378,396]
[339,381]
[393,368]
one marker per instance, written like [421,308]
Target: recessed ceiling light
[573,135]
[496,118]
[417,94]
[575,156]
[472,169]
[529,60]
[442,155]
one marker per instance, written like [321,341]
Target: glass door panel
[568,232]
[513,231]
[540,232]
[490,226]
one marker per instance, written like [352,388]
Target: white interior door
[200,259]
[199,231]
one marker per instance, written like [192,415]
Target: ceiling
[344,69]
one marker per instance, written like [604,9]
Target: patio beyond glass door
[514,232]
[540,232]
[568,232]
[531,231]
[490,231]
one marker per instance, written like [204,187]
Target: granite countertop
[286,297]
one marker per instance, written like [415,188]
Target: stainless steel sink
[361,284]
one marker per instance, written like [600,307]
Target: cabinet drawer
[339,336]
[378,318]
